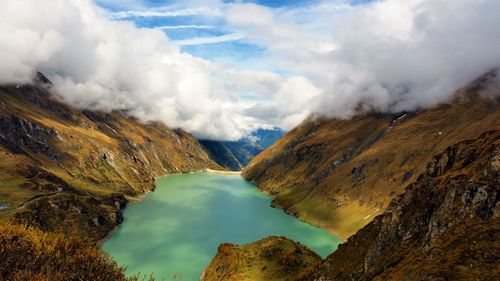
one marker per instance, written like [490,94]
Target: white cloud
[210,40]
[96,63]
[389,55]
[205,11]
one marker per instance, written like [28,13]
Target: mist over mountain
[341,59]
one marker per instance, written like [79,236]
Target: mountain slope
[234,155]
[339,174]
[444,226]
[65,167]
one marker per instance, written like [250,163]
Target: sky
[221,69]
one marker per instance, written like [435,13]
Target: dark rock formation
[445,226]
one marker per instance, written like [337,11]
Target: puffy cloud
[386,55]
[101,64]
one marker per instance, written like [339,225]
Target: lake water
[177,228]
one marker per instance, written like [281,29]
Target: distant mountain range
[234,155]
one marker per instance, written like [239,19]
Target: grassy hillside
[67,168]
[272,258]
[445,226]
[340,174]
[30,254]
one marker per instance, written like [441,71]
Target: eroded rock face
[27,135]
[445,226]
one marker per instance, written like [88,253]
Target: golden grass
[30,254]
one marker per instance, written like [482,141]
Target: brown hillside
[65,167]
[340,174]
[30,254]
[445,226]
[272,258]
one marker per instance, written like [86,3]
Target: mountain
[64,168]
[340,174]
[234,155]
[443,226]
[266,137]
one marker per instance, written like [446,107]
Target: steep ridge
[65,168]
[340,174]
[444,226]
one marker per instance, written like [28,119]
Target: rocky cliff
[65,168]
[445,226]
[340,174]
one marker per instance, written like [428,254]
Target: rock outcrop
[445,226]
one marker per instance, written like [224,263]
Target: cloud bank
[101,64]
[388,55]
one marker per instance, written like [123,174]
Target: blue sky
[208,35]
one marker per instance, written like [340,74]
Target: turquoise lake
[177,228]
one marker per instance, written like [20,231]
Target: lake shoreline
[137,199]
[226,202]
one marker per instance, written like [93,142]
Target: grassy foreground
[29,254]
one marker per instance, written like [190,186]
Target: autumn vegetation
[29,254]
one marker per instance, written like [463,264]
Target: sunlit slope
[340,174]
[272,258]
[80,161]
